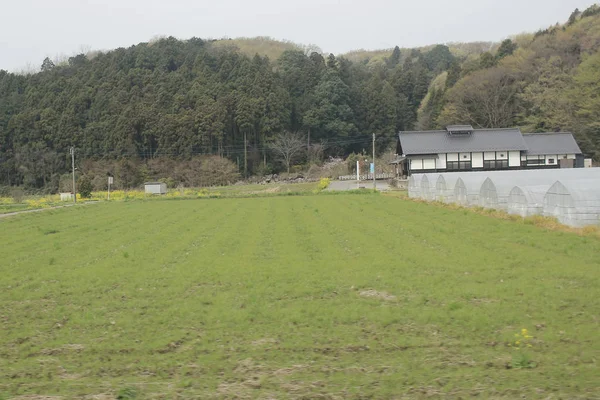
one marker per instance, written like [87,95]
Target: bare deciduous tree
[287,147]
[485,99]
[316,152]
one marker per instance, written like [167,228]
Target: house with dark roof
[462,148]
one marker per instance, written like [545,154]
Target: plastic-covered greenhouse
[575,202]
[496,189]
[493,189]
[414,186]
[444,186]
[466,190]
[428,182]
[527,200]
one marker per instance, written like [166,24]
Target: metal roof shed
[155,188]
[527,200]
[575,203]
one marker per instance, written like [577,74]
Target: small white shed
[66,197]
[155,188]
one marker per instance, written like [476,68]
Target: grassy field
[346,296]
[10,208]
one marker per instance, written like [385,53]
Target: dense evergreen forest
[142,111]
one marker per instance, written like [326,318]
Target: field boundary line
[5,215]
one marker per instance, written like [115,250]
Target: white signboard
[110,180]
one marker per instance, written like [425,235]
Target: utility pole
[358,174]
[72,151]
[245,156]
[110,181]
[374,184]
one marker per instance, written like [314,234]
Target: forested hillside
[549,81]
[132,110]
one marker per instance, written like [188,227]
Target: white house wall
[514,158]
[440,163]
[477,160]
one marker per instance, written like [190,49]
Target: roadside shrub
[323,184]
[262,169]
[169,181]
[314,171]
[17,194]
[85,187]
[363,161]
[210,171]
[65,183]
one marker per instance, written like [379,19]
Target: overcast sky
[33,29]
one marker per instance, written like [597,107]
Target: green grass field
[333,297]
[11,208]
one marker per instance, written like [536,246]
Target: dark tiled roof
[551,143]
[430,142]
[462,128]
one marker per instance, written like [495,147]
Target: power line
[228,150]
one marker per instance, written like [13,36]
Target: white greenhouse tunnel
[570,195]
[495,190]
[428,182]
[414,186]
[527,201]
[466,189]
[574,203]
[444,186]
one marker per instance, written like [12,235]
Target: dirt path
[5,215]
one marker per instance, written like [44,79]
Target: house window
[464,165]
[551,161]
[495,164]
[534,160]
[452,165]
